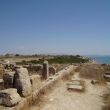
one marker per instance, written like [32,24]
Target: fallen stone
[22,82]
[77,85]
[9,97]
[107,77]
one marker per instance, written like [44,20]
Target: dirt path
[61,99]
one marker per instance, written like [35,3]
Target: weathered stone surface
[8,79]
[22,82]
[77,85]
[45,72]
[22,105]
[107,76]
[9,97]
[34,68]
[52,70]
[1,84]
[35,81]
[1,72]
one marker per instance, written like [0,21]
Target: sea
[102,59]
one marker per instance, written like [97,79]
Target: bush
[68,59]
[58,60]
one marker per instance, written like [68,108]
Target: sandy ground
[61,99]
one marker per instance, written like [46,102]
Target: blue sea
[101,59]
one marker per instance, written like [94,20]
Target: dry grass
[106,98]
[77,69]
[106,67]
[92,71]
[68,77]
[40,99]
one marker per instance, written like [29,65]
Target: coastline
[100,59]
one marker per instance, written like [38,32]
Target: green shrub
[59,60]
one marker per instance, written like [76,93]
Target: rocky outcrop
[22,82]
[9,97]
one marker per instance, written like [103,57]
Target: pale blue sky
[55,26]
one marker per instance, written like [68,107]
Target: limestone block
[22,82]
[9,97]
[8,79]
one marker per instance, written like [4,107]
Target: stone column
[45,72]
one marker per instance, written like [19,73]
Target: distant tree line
[65,59]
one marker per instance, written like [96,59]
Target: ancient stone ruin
[19,89]
[22,82]
[45,72]
[9,97]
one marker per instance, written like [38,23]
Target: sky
[55,27]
